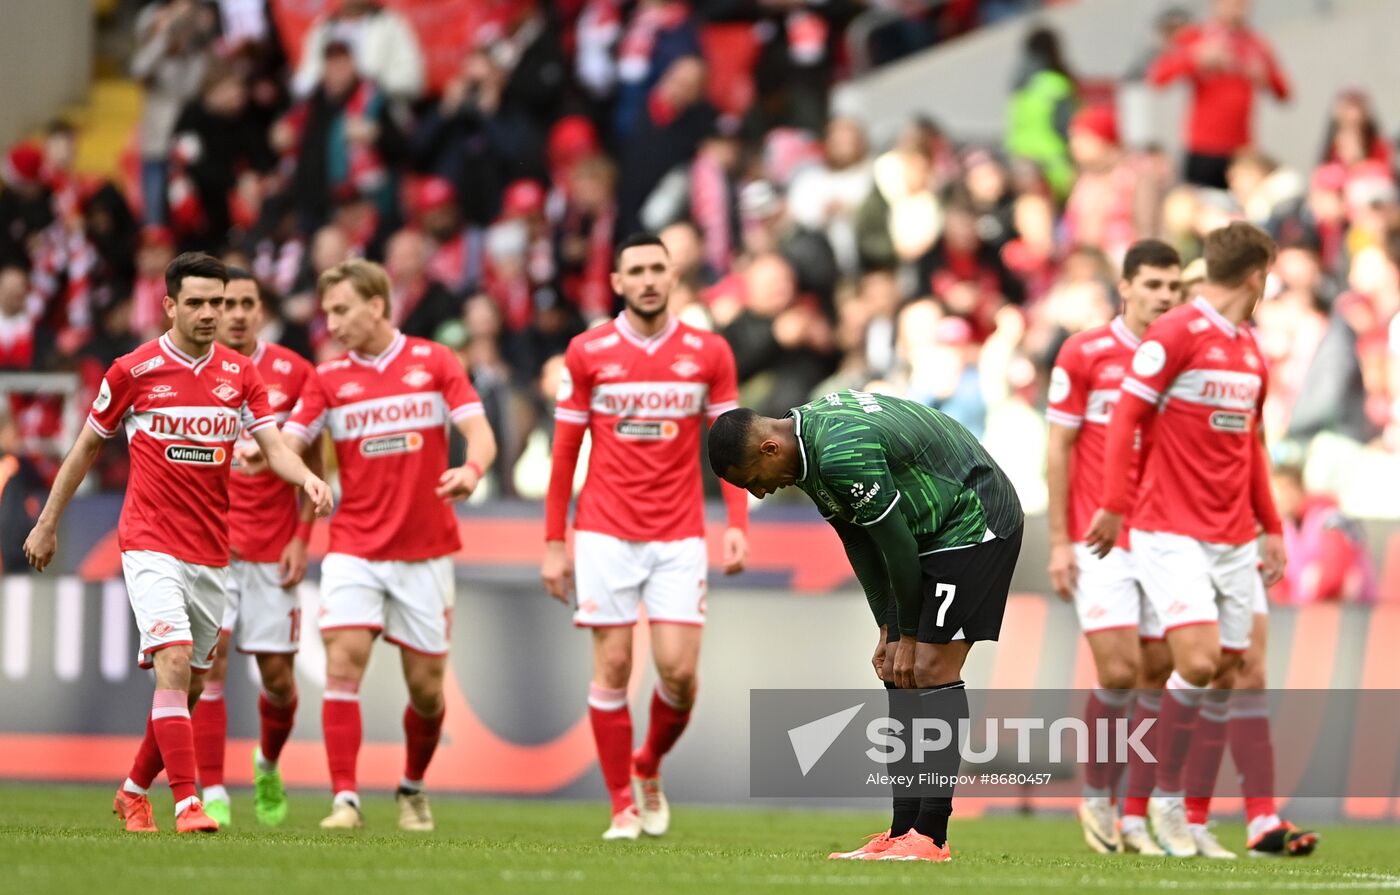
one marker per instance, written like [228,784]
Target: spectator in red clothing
[1353,134]
[1104,209]
[1327,555]
[1225,63]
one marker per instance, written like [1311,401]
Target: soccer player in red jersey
[1123,632]
[183,400]
[268,534]
[639,386]
[1198,378]
[386,405]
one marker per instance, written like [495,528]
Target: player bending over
[640,386]
[183,400]
[387,404]
[268,534]
[932,528]
[1123,632]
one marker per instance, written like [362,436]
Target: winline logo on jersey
[1022,743]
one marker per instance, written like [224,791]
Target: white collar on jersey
[259,350]
[195,364]
[1214,316]
[649,344]
[384,358]
[1125,335]
[801,448]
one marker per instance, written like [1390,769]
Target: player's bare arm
[291,565]
[1064,573]
[460,481]
[1273,558]
[42,543]
[285,461]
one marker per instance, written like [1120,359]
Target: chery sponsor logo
[195,455]
[392,444]
[276,398]
[164,390]
[349,390]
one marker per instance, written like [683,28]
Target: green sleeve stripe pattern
[867,455]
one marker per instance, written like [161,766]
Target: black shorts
[1207,170]
[965,591]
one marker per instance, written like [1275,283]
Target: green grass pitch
[63,839]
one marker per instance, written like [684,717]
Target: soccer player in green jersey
[932,528]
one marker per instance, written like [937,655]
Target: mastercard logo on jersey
[392,444]
[647,430]
[198,456]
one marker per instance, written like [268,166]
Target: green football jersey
[866,455]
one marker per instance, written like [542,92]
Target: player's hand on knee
[1064,571]
[1103,532]
[904,662]
[556,572]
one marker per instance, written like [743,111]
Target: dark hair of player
[729,439]
[1235,251]
[635,240]
[238,273]
[192,264]
[1149,253]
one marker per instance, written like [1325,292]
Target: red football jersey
[388,418]
[1084,386]
[642,399]
[1208,378]
[262,509]
[182,417]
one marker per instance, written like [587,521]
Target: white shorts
[1108,595]
[612,577]
[1193,582]
[261,615]
[1261,596]
[411,602]
[175,602]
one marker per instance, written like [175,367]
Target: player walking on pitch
[386,405]
[639,385]
[1123,631]
[183,400]
[268,534]
[1198,380]
[932,528]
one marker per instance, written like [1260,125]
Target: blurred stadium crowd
[924,266]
